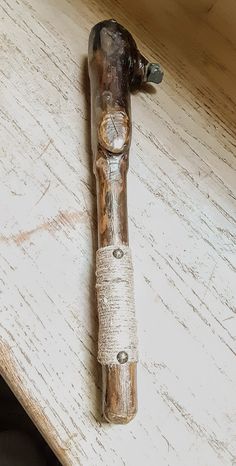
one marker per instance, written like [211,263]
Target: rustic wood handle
[116,68]
[117,342]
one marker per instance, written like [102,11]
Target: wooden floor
[182,231]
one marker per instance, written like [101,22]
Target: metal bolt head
[122,357]
[118,253]
[154,73]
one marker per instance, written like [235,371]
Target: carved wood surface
[181,191]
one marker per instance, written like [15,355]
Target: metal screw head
[118,253]
[122,357]
[154,73]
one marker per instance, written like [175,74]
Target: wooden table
[181,210]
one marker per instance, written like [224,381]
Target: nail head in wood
[118,254]
[122,357]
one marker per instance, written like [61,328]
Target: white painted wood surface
[182,232]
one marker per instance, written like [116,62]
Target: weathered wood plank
[182,231]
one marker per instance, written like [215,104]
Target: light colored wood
[197,6]
[181,209]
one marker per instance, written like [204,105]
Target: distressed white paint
[181,209]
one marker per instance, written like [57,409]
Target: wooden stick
[116,68]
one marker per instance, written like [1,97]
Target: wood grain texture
[182,229]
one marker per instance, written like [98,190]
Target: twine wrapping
[116,312]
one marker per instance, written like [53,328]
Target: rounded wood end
[120,392]
[118,418]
